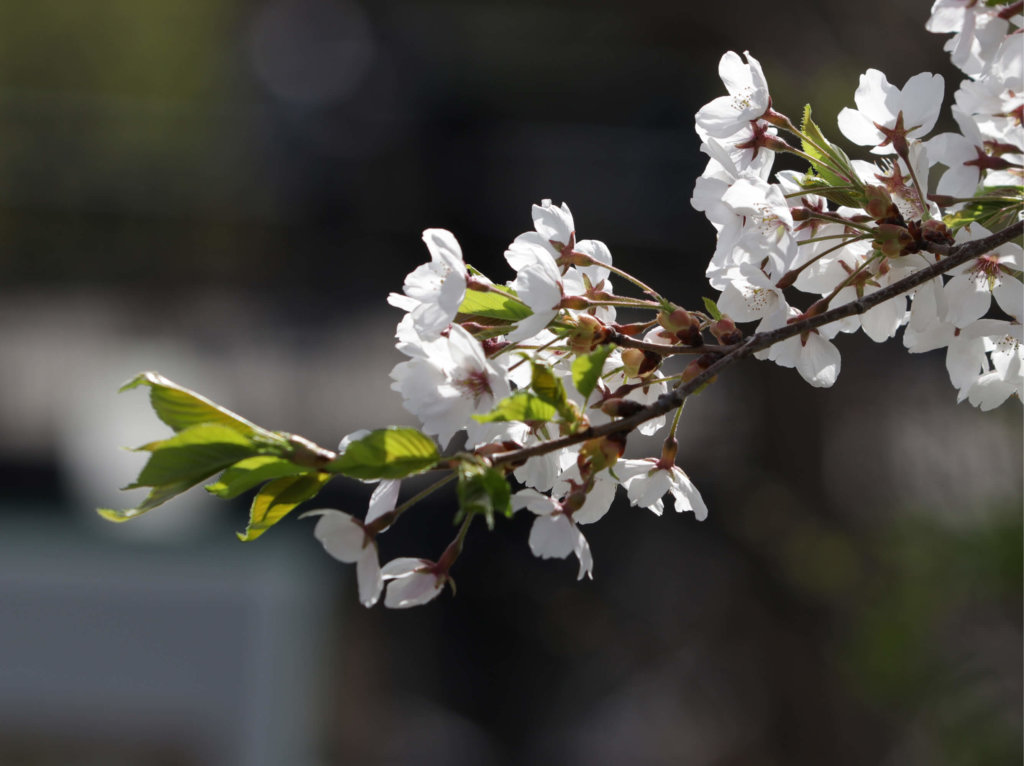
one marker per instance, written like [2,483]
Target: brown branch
[955,255]
[665,350]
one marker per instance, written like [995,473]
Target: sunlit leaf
[587,369]
[180,408]
[193,454]
[483,490]
[158,496]
[251,472]
[387,453]
[277,499]
[826,158]
[501,305]
[522,406]
[712,308]
[546,385]
[991,209]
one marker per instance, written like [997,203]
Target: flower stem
[629,277]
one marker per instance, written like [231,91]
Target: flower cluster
[520,370]
[846,229]
[527,390]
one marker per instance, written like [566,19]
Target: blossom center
[475,383]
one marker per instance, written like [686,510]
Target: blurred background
[225,191]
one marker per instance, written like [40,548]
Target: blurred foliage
[916,646]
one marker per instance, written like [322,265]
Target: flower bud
[697,366]
[588,334]
[492,346]
[618,407]
[631,329]
[632,359]
[675,320]
[892,239]
[691,335]
[725,331]
[576,302]
[879,204]
[668,453]
[936,231]
[600,453]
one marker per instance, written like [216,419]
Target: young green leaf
[387,453]
[587,369]
[991,209]
[483,490]
[522,406]
[549,388]
[712,308]
[494,305]
[157,496]
[277,499]
[180,408]
[251,472]
[192,454]
[827,159]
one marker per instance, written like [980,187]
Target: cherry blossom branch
[955,255]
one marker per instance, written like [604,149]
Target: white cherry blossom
[410,582]
[435,290]
[748,97]
[447,381]
[813,355]
[345,538]
[881,106]
[646,481]
[974,284]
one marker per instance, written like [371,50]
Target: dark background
[226,191]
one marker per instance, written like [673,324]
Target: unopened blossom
[647,481]
[886,115]
[411,582]
[345,538]
[435,290]
[748,97]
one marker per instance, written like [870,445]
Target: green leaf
[990,209]
[158,496]
[494,305]
[251,472]
[387,453]
[587,369]
[712,308]
[483,490]
[522,406]
[549,388]
[193,454]
[180,408]
[836,158]
[277,499]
